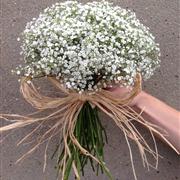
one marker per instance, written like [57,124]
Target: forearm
[162,115]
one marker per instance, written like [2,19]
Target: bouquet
[82,49]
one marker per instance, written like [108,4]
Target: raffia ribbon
[64,113]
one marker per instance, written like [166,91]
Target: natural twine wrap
[64,112]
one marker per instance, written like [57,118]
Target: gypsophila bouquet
[88,46]
[82,49]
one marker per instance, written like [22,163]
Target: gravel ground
[162,18]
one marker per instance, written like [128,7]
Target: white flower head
[87,46]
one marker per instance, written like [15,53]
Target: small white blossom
[18,72]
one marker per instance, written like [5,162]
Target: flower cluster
[88,46]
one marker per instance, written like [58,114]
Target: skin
[156,112]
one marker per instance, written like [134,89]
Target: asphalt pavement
[162,16]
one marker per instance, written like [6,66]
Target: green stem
[92,136]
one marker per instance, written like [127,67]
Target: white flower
[98,45]
[18,72]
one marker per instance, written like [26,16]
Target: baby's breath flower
[88,46]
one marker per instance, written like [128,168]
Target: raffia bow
[64,112]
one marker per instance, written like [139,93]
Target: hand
[121,92]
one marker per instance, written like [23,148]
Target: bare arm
[158,113]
